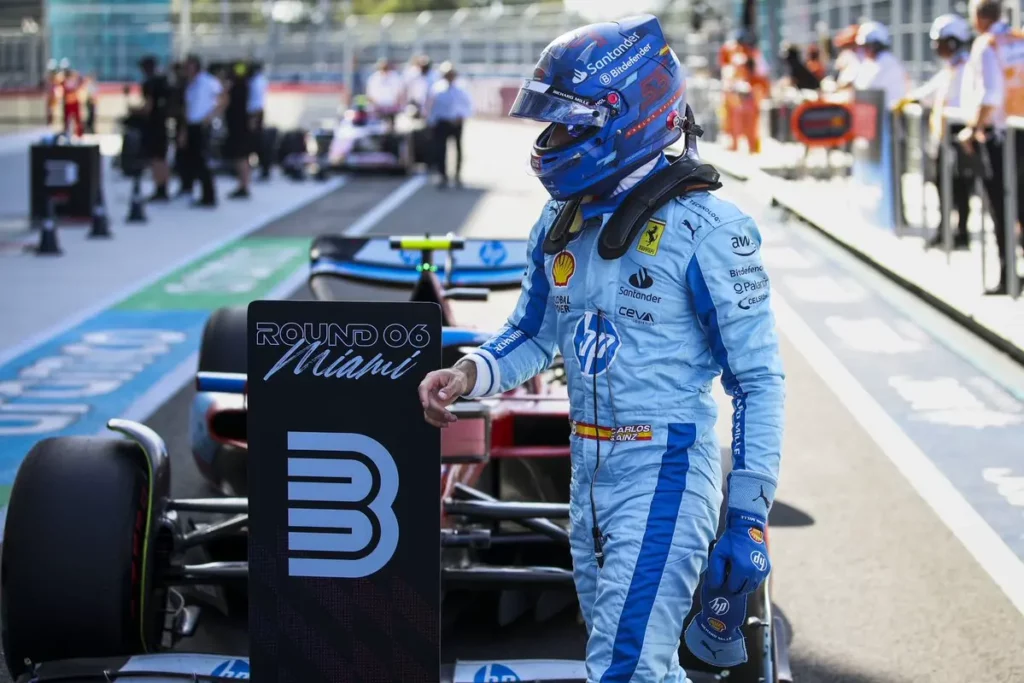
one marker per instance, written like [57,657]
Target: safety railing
[911,135]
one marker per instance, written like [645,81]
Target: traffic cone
[48,234]
[137,209]
[100,223]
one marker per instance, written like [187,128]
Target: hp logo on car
[495,673]
[352,527]
[233,668]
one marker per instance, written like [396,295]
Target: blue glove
[737,566]
[714,635]
[739,561]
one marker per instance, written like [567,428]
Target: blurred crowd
[978,84]
[437,96]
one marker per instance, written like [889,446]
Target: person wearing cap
[880,69]
[951,40]
[745,82]
[204,101]
[386,90]
[848,59]
[983,100]
[448,106]
[156,94]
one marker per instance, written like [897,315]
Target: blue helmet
[614,94]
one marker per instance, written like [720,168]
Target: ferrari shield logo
[650,238]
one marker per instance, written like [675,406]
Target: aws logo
[743,246]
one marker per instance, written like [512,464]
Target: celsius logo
[339,505]
[495,673]
[641,279]
[597,343]
[719,606]
[579,76]
[233,668]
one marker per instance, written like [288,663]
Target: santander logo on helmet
[609,57]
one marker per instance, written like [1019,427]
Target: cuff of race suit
[751,492]
[487,377]
[712,647]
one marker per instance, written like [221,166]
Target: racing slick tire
[76,572]
[224,348]
[224,345]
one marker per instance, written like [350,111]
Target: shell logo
[562,268]
[717,624]
[756,535]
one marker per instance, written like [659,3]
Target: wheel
[224,347]
[76,574]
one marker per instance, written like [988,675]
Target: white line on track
[389,204]
[125,292]
[980,540]
[171,383]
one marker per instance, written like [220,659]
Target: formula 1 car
[367,139]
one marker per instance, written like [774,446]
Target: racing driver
[647,306]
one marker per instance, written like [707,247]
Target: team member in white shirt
[385,88]
[420,81]
[204,101]
[879,68]
[951,40]
[983,100]
[258,85]
[448,106]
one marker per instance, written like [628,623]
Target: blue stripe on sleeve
[654,551]
[708,315]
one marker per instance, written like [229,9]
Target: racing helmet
[951,30]
[614,93]
[875,34]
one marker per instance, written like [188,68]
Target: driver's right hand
[438,390]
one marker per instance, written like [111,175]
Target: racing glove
[714,635]
[739,561]
[737,566]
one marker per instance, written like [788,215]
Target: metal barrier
[916,116]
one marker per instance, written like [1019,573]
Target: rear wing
[399,261]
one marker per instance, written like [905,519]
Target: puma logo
[693,230]
[763,497]
[713,651]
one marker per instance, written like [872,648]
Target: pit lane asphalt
[876,588]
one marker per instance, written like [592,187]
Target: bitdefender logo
[641,279]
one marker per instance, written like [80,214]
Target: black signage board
[344,501]
[69,175]
[823,123]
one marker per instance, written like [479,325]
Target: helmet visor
[540,102]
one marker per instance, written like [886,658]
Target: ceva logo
[233,668]
[495,673]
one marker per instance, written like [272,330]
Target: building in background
[108,38]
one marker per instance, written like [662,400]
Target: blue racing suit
[642,337]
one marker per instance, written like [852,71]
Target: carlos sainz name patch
[625,433]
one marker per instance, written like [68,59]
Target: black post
[137,210]
[48,245]
[100,223]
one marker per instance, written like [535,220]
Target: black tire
[224,347]
[72,576]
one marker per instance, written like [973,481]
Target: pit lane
[877,589]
